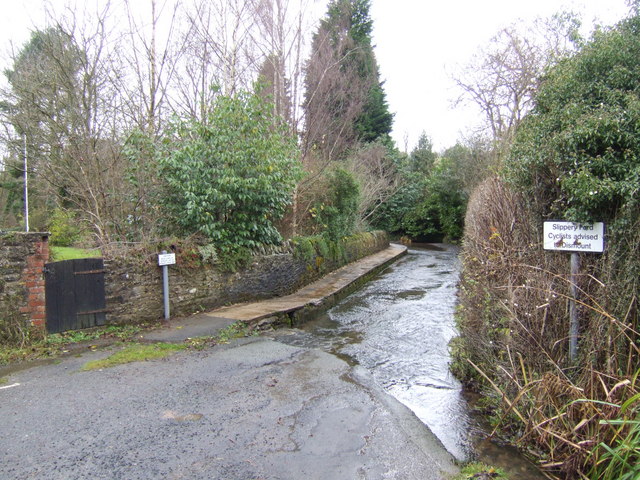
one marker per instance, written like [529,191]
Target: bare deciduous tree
[377,176]
[283,28]
[68,102]
[148,55]
[63,106]
[217,53]
[502,77]
[334,99]
[90,173]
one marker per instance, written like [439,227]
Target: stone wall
[22,297]
[134,285]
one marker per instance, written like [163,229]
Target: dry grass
[514,324]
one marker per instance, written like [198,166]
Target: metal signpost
[164,260]
[26,187]
[574,237]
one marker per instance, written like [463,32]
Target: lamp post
[26,186]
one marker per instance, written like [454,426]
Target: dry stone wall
[134,288]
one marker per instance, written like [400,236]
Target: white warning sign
[574,237]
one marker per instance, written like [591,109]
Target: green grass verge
[135,353]
[70,253]
[122,332]
[58,343]
[480,470]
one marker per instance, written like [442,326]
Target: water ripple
[399,327]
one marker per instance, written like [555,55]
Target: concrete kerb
[313,309]
[289,310]
[315,298]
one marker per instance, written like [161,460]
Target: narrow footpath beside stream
[398,327]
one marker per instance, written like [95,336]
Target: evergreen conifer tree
[345,99]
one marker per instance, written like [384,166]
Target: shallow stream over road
[398,327]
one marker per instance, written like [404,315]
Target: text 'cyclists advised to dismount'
[574,237]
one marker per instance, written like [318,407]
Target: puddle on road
[398,327]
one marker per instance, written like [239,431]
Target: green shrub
[65,228]
[304,248]
[337,217]
[231,178]
[577,155]
[442,208]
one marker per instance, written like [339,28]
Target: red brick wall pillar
[33,278]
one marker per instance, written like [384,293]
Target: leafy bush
[339,214]
[442,207]
[578,153]
[431,201]
[231,177]
[390,216]
[413,171]
[65,229]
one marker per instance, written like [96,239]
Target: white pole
[165,288]
[26,187]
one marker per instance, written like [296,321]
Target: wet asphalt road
[257,409]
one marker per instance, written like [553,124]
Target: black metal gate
[75,294]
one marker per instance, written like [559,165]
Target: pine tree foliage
[345,99]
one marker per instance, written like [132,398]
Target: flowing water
[398,327]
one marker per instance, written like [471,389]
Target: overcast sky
[418,45]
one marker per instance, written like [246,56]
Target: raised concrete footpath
[289,310]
